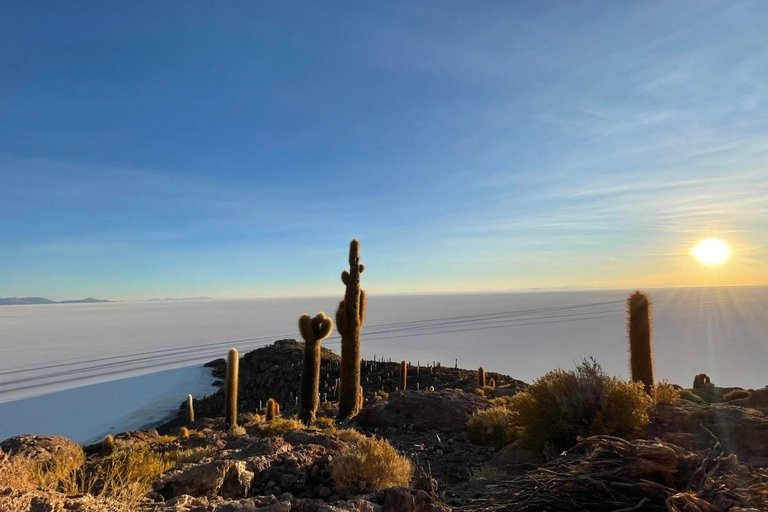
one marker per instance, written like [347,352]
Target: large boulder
[447,410]
[50,451]
[227,478]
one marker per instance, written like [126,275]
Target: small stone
[324,492]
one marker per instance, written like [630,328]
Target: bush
[350,435]
[686,394]
[371,465]
[382,394]
[280,426]
[492,427]
[562,405]
[665,393]
[736,394]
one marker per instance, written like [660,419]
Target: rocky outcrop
[227,478]
[46,450]
[445,410]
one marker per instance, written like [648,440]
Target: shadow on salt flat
[88,413]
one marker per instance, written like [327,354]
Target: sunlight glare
[712,251]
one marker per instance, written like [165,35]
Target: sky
[170,149]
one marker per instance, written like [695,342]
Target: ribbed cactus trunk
[403,375]
[481,377]
[271,409]
[190,409]
[349,321]
[313,331]
[640,344]
[230,391]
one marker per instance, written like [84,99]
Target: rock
[515,460]
[48,450]
[741,431]
[400,499]
[440,410]
[227,478]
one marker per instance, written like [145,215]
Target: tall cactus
[190,410]
[230,391]
[313,331]
[640,343]
[403,375]
[349,321]
[481,377]
[271,409]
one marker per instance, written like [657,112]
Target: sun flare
[712,251]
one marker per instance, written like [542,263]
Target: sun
[712,251]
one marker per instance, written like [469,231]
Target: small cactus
[313,331]
[403,375]
[184,432]
[230,391]
[481,377]
[190,409]
[492,383]
[640,343]
[349,321]
[272,409]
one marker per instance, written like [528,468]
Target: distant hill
[17,301]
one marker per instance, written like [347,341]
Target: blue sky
[233,149]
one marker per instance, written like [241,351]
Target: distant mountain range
[16,301]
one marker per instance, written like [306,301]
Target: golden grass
[350,435]
[371,465]
[236,431]
[665,393]
[327,424]
[382,394]
[280,426]
[736,394]
[492,427]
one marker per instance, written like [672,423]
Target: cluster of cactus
[701,380]
[640,344]
[313,331]
[273,409]
[230,391]
[349,321]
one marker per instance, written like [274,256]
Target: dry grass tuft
[382,394]
[371,465]
[325,423]
[492,427]
[665,393]
[479,392]
[236,431]
[350,435]
[280,426]
[686,394]
[736,394]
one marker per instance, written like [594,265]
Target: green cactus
[403,375]
[349,321]
[313,331]
[190,409]
[640,343]
[481,377]
[230,391]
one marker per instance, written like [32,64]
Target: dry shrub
[736,394]
[350,435]
[488,390]
[371,465]
[686,394]
[563,405]
[325,423]
[187,455]
[236,431]
[382,394]
[665,393]
[280,426]
[479,392]
[492,427]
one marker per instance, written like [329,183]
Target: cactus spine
[403,374]
[190,409]
[640,344]
[481,377]
[230,391]
[313,331]
[349,320]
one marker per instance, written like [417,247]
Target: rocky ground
[719,446]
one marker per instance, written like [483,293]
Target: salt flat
[48,348]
